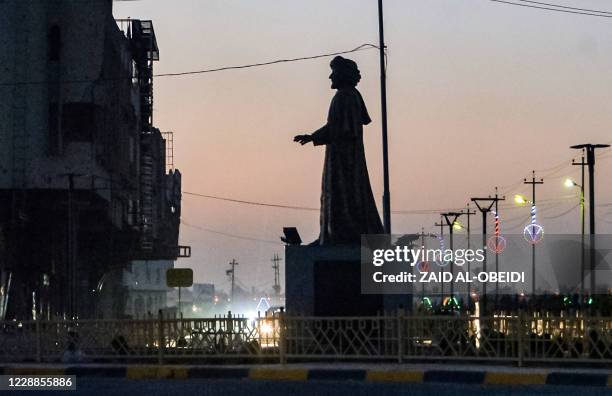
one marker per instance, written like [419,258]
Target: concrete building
[199,300]
[147,292]
[84,184]
[203,293]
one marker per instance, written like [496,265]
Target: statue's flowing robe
[348,208]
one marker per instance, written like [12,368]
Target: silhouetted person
[348,208]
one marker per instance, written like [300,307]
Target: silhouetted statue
[348,208]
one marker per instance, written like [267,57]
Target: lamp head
[457,226]
[520,199]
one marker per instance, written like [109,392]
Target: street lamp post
[383,108]
[451,226]
[422,247]
[469,285]
[570,183]
[519,199]
[441,238]
[533,183]
[484,205]
[590,157]
[531,235]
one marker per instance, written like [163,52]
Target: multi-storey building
[84,186]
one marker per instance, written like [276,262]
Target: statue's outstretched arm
[321,136]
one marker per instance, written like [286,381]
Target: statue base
[326,281]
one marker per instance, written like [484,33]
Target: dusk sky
[479,94]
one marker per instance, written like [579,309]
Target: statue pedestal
[326,281]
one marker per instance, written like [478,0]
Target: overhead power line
[362,47]
[553,170]
[568,10]
[296,207]
[566,7]
[227,234]
[250,202]
[556,216]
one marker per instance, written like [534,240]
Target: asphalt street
[119,386]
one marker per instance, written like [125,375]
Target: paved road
[196,387]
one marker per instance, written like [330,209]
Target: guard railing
[392,337]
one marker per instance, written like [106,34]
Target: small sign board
[179,277]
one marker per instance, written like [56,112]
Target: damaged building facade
[85,188]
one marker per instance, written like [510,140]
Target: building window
[55,43]
[78,121]
[52,127]
[139,307]
[132,149]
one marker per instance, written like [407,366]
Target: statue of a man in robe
[348,209]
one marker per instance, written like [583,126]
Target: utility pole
[451,219]
[582,224]
[441,238]
[424,250]
[469,214]
[441,225]
[275,264]
[231,273]
[71,271]
[590,157]
[485,205]
[71,258]
[383,106]
[533,183]
[496,252]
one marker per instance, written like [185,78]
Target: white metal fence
[391,337]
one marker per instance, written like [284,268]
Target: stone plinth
[326,281]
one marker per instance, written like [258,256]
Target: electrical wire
[240,201]
[402,212]
[564,10]
[566,7]
[362,47]
[562,213]
[243,237]
[549,172]
[187,73]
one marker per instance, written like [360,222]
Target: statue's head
[345,73]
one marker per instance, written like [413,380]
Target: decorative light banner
[423,266]
[442,262]
[496,243]
[533,233]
